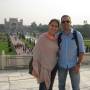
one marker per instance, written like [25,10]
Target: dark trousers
[42,85]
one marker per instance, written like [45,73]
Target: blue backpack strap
[76,40]
[59,39]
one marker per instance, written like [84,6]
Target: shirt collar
[71,31]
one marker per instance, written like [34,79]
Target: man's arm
[80,58]
[81,47]
[81,52]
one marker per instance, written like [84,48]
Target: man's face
[66,23]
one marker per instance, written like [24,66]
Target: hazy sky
[41,11]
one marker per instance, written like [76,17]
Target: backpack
[74,36]
[30,65]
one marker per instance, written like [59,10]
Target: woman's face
[53,27]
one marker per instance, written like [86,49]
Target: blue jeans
[75,78]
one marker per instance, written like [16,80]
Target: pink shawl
[44,58]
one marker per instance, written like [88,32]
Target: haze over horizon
[41,11]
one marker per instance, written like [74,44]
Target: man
[69,61]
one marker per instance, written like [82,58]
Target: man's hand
[77,68]
[80,58]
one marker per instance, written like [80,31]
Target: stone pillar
[3,60]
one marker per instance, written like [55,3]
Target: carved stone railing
[14,61]
[20,62]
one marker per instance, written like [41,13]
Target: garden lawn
[87,43]
[3,46]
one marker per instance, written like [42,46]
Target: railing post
[3,61]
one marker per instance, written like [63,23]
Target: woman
[45,56]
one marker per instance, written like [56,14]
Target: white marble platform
[21,80]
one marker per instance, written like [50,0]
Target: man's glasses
[65,21]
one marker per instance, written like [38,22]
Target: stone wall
[18,61]
[14,61]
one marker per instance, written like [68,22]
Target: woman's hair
[54,20]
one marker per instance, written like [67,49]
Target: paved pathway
[21,80]
[19,50]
